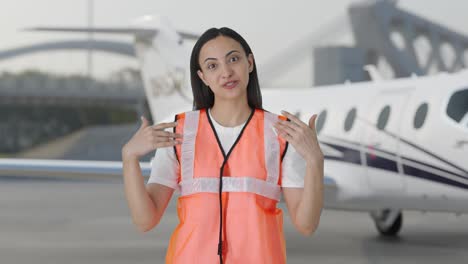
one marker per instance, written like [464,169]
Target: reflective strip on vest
[231,184]
[267,188]
[188,144]
[272,148]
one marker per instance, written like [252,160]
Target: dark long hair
[203,97]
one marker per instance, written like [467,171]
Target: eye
[234,59]
[211,66]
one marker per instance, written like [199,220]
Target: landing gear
[388,221]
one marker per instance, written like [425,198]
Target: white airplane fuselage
[394,164]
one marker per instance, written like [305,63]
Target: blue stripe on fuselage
[375,160]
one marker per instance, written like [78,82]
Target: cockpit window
[457,108]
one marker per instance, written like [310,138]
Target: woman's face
[225,68]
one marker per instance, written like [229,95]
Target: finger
[284,135]
[168,144]
[162,126]
[285,129]
[290,124]
[162,133]
[293,118]
[144,122]
[312,121]
[162,141]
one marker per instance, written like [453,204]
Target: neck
[231,113]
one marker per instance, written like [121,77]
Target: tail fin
[164,62]
[165,69]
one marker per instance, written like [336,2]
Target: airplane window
[349,121]
[457,108]
[383,117]
[321,121]
[420,116]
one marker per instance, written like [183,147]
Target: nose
[226,71]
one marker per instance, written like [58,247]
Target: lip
[227,86]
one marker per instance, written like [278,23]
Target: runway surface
[50,221]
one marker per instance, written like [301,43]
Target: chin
[231,95]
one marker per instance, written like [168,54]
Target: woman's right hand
[149,138]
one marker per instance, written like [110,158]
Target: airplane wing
[84,169]
[48,168]
[127,30]
[150,32]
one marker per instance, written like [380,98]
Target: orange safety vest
[252,225]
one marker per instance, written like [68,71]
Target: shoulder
[184,115]
[272,116]
[269,121]
[187,120]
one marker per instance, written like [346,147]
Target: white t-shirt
[164,165]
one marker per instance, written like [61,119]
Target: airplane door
[380,142]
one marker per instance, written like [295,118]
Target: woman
[228,136]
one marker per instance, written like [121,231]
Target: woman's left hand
[302,136]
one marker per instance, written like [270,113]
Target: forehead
[218,47]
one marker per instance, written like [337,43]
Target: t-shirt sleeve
[293,169]
[164,168]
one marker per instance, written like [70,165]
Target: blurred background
[79,97]
[54,85]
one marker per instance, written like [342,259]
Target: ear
[250,59]
[200,74]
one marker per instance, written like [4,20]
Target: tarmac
[75,221]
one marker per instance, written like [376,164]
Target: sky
[270,26]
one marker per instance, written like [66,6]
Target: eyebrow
[227,54]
